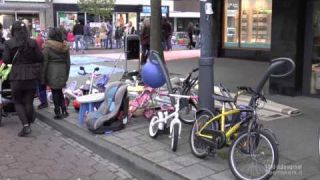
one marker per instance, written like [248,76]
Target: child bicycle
[160,121]
[251,144]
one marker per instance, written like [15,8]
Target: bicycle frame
[222,120]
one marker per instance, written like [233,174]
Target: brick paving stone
[195,172]
[127,134]
[187,160]
[159,156]
[225,175]
[47,154]
[171,165]
[153,146]
[103,176]
[130,142]
[15,173]
[143,131]
[216,163]
[35,177]
[138,150]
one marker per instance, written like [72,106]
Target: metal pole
[206,60]
[155,33]
[85,18]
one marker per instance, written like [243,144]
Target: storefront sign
[147,9]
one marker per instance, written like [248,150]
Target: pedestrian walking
[145,41]
[2,40]
[109,36]
[78,31]
[130,29]
[190,31]
[56,68]
[197,36]
[103,35]
[70,39]
[118,36]
[41,88]
[26,59]
[166,34]
[86,36]
[64,32]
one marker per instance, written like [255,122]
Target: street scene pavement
[297,135]
[47,154]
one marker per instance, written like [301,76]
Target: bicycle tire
[175,137]
[275,154]
[187,113]
[206,115]
[153,128]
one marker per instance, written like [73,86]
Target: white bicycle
[165,117]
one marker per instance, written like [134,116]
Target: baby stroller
[112,114]
[6,102]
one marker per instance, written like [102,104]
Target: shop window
[247,23]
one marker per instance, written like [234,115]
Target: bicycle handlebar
[281,61]
[195,70]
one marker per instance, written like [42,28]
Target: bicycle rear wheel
[255,157]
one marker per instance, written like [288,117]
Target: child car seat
[112,114]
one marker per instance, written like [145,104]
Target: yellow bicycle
[253,152]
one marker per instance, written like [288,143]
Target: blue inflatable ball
[152,74]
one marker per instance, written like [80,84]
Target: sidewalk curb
[137,166]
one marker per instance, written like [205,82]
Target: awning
[9,7]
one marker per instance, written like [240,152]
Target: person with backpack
[56,68]
[26,58]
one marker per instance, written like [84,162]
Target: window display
[231,23]
[254,30]
[67,19]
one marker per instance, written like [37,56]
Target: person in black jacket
[78,32]
[26,59]
[1,41]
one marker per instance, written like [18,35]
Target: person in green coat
[56,69]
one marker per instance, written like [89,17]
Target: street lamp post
[206,62]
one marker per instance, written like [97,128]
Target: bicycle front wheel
[198,147]
[254,157]
[187,112]
[175,137]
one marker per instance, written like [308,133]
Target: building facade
[37,14]
[264,29]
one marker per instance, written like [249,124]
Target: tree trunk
[155,21]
